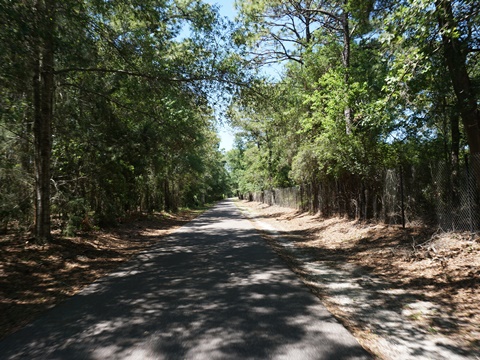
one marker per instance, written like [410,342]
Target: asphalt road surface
[211,290]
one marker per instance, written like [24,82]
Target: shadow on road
[382,308]
[211,290]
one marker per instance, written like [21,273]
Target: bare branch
[104,70]
[324,12]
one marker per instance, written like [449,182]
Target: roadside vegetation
[106,109]
[375,109]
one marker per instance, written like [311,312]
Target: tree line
[105,108]
[366,85]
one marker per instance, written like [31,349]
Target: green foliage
[330,119]
[132,126]
[362,89]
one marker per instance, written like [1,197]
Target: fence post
[402,197]
[469,193]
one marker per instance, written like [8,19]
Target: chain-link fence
[457,200]
[439,194]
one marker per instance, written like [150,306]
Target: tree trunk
[43,97]
[455,54]
[346,64]
[166,196]
[455,134]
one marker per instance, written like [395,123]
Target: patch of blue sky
[411,126]
[274,71]
[226,9]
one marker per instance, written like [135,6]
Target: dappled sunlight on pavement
[369,302]
[211,290]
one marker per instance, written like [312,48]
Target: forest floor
[428,277]
[34,278]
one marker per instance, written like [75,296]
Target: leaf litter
[377,279]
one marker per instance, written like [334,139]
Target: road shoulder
[363,302]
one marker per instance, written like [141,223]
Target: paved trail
[211,290]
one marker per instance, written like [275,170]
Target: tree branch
[324,12]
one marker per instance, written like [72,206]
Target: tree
[291,30]
[423,40]
[459,40]
[43,103]
[110,79]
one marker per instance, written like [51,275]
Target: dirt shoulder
[34,278]
[427,277]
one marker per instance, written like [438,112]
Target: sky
[225,132]
[227,137]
